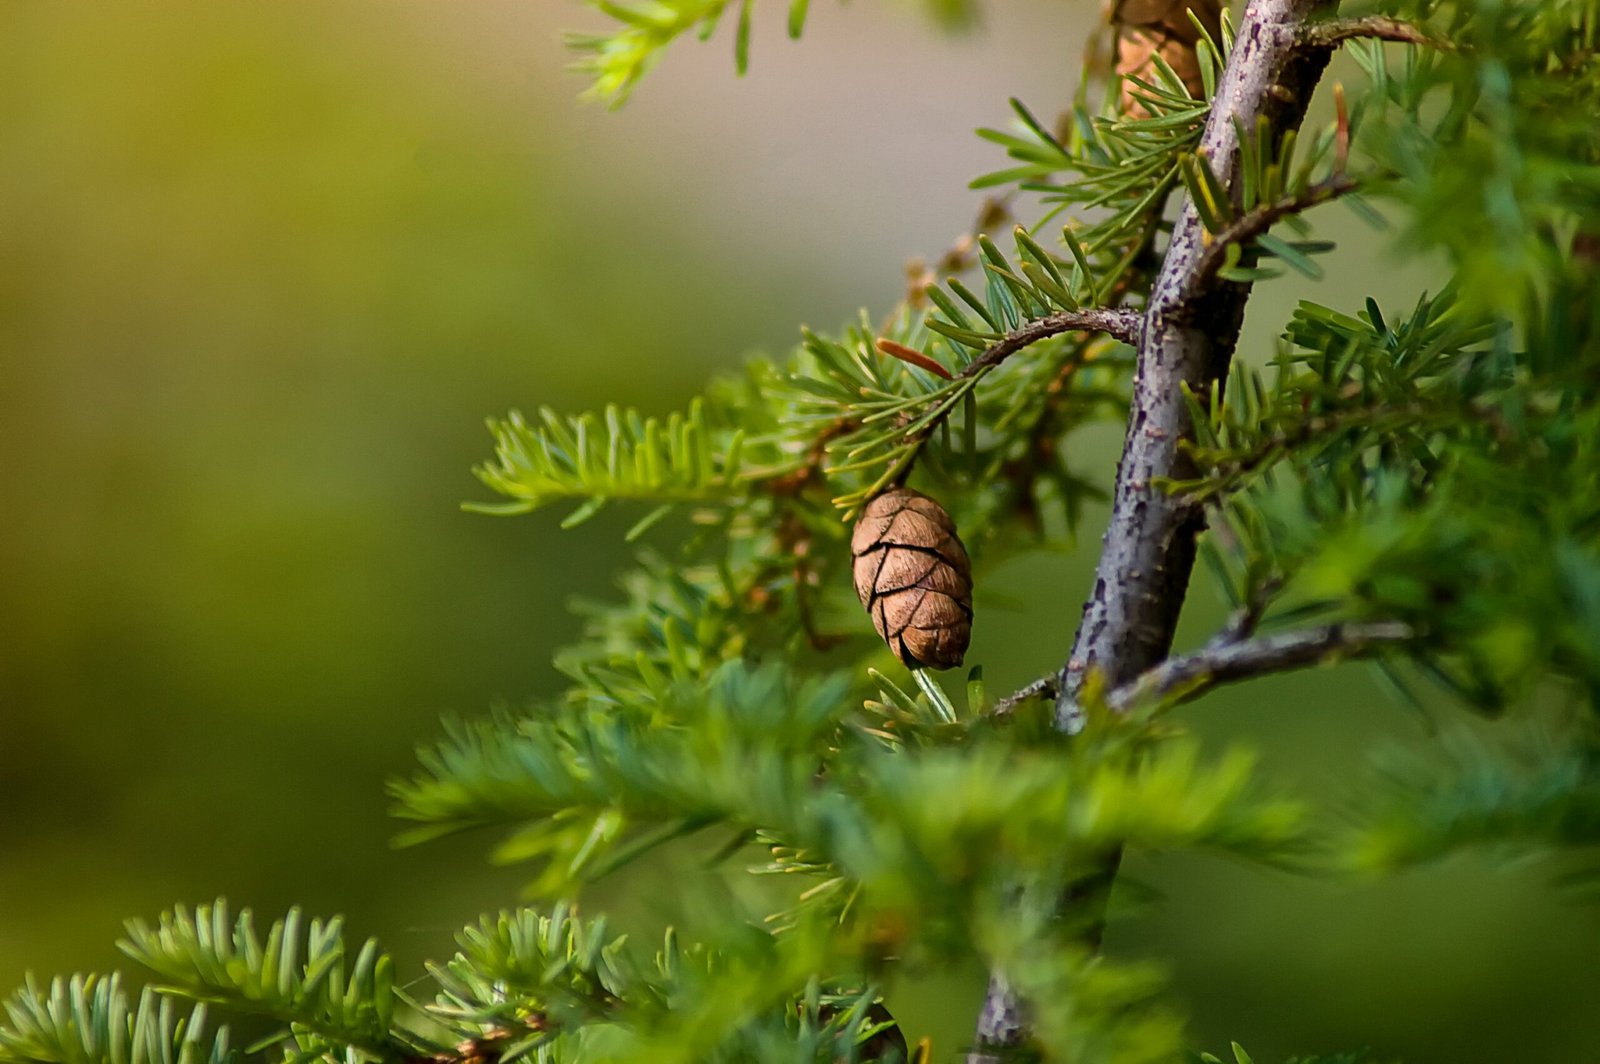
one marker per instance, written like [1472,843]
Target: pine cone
[914,578]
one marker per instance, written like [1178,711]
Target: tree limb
[1189,676]
[1187,341]
[1124,325]
[1189,334]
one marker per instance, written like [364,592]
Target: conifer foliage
[1414,484]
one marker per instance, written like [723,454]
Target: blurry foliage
[1491,148]
[1437,470]
[247,266]
[641,30]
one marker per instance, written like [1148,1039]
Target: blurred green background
[264,269]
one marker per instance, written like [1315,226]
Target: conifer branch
[1188,676]
[1432,467]
[1263,217]
[1228,471]
[90,1019]
[1186,344]
[1232,657]
[993,348]
[1124,325]
[1334,32]
[1043,687]
[300,975]
[617,455]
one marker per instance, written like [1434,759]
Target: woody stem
[1191,326]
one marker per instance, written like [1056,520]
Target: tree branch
[1043,687]
[1262,218]
[1187,341]
[1228,470]
[1124,325]
[1231,657]
[1189,676]
[1328,35]
[1243,621]
[1189,334]
[1116,322]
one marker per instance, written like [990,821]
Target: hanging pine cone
[914,578]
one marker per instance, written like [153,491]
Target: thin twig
[1230,657]
[1122,324]
[1043,687]
[1242,622]
[1188,676]
[1263,217]
[1117,322]
[1334,32]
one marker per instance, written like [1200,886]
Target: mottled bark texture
[913,576]
[1191,675]
[1190,329]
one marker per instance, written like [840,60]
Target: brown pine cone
[914,578]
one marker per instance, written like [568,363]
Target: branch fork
[1184,345]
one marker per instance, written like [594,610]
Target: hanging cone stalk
[913,576]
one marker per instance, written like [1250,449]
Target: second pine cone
[913,576]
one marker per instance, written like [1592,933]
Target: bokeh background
[265,268]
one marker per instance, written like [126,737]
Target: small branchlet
[1187,676]
[1331,33]
[1120,324]
[1230,658]
[1257,221]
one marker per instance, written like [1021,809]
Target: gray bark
[1191,327]
[1190,675]
[1230,657]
